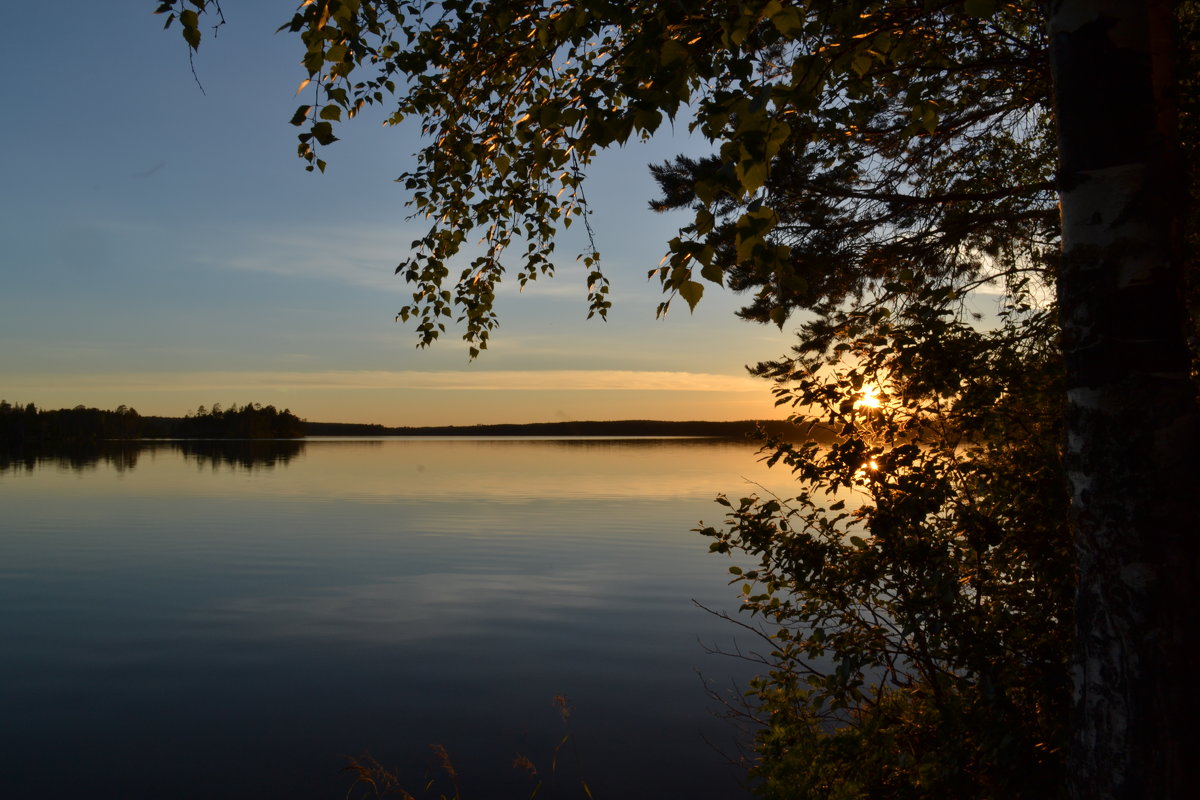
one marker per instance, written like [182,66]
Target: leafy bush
[917,591]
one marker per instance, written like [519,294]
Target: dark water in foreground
[229,624]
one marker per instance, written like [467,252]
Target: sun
[870,398]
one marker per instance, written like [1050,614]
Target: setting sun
[870,397]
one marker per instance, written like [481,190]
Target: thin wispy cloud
[367,255]
[364,257]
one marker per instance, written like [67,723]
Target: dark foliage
[24,427]
[29,426]
[251,421]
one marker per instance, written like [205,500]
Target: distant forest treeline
[29,426]
[630,427]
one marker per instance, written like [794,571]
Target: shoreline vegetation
[24,426]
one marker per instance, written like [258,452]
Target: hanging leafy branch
[886,107]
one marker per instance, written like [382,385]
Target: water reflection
[268,453]
[120,456]
[288,603]
[123,456]
[248,455]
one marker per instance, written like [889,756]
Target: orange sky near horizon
[431,398]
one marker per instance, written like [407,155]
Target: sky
[162,247]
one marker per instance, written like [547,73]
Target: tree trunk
[1133,422]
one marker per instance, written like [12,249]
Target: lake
[219,620]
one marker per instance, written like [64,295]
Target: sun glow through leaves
[871,398]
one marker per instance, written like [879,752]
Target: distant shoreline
[29,426]
[741,429]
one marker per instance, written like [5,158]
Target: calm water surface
[225,623]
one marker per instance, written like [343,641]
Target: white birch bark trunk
[1132,416]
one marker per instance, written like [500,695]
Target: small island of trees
[251,421]
[29,426]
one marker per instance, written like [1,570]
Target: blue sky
[164,248]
